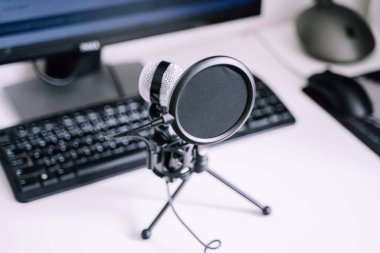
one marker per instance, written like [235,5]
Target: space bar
[126,161]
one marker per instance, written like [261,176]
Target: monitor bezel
[41,50]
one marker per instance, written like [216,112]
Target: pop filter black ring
[193,71]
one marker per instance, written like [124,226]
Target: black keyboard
[367,130]
[67,150]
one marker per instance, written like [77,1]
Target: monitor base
[33,99]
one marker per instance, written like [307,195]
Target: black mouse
[339,94]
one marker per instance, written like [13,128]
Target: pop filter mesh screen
[212,102]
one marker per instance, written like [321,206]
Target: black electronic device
[334,33]
[65,40]
[347,101]
[206,104]
[341,94]
[373,76]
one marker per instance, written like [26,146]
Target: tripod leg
[146,233]
[266,210]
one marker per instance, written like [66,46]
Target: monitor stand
[98,83]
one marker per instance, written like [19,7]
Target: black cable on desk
[214,244]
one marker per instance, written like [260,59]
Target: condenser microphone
[206,104]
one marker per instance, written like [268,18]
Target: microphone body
[157,81]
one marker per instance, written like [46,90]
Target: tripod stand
[180,160]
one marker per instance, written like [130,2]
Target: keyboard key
[48,179]
[9,152]
[81,161]
[29,184]
[67,176]
[275,118]
[68,165]
[21,162]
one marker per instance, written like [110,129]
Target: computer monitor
[70,34]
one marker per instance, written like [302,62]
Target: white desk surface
[321,182]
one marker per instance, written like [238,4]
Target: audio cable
[212,245]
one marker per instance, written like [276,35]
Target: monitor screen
[37,28]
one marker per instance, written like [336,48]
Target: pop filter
[212,100]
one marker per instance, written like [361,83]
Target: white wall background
[280,10]
[373,13]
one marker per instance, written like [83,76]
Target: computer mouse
[334,33]
[339,94]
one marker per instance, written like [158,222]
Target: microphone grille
[145,80]
[168,81]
